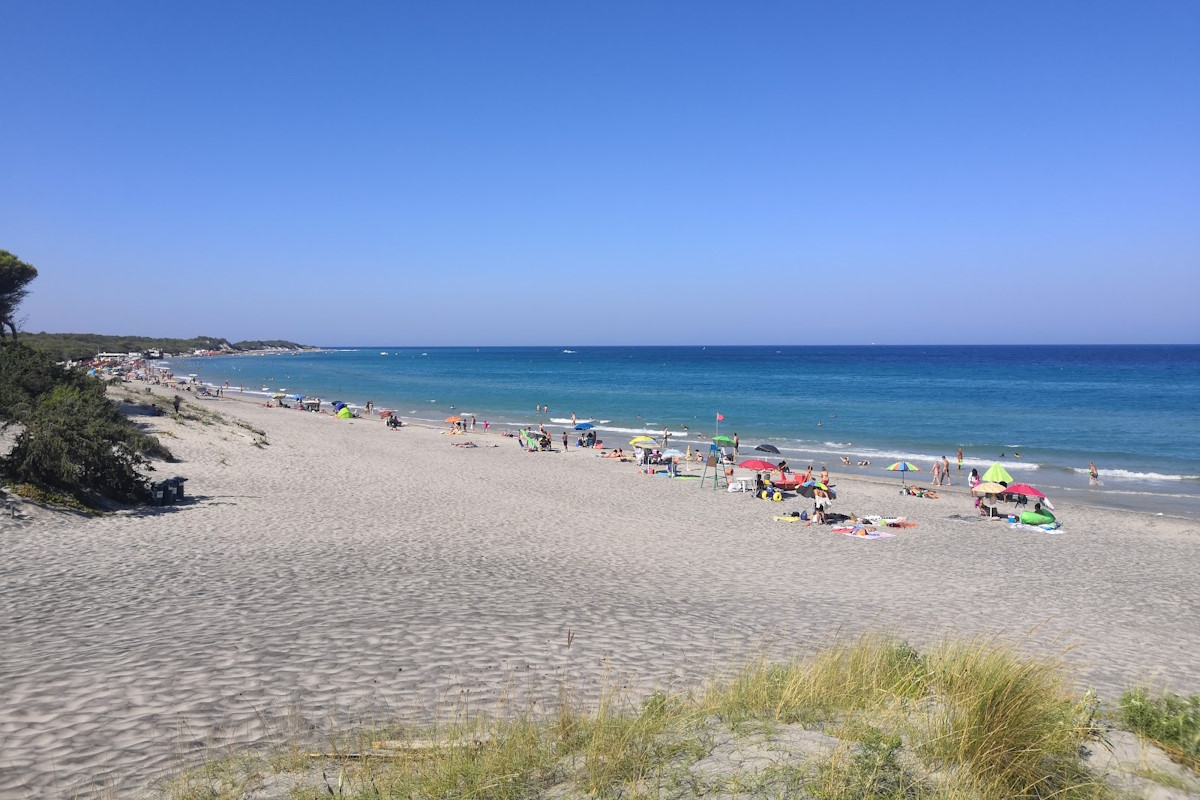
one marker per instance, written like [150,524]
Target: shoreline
[1125,499]
[329,571]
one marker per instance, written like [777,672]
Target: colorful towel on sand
[861,532]
[891,522]
[1052,527]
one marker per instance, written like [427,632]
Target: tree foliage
[80,346]
[73,440]
[15,277]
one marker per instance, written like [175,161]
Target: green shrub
[73,441]
[1171,721]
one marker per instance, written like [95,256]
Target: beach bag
[804,515]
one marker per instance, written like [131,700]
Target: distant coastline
[83,346]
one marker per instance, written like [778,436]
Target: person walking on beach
[946,470]
[485,425]
[937,472]
[1093,475]
[564,441]
[735,446]
[960,459]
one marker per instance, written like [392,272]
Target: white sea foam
[1145,476]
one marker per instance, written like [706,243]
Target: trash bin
[157,494]
[179,482]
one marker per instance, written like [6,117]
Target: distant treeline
[78,346]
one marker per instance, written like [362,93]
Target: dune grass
[1170,721]
[969,719]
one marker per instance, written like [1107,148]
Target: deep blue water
[1131,409]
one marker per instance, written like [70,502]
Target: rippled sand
[347,572]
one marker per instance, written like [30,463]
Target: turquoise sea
[1133,410]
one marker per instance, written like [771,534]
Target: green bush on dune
[73,441]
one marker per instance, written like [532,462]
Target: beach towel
[860,532]
[790,518]
[891,522]
[1050,527]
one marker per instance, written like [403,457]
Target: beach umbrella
[1023,488]
[278,396]
[338,405]
[453,419]
[584,426]
[997,474]
[723,441]
[903,467]
[989,488]
[758,465]
[635,441]
[672,453]
[768,448]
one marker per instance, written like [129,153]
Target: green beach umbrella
[724,441]
[997,474]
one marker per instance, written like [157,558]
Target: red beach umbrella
[758,465]
[1023,488]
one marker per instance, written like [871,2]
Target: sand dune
[345,572]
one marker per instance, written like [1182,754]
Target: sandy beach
[328,572]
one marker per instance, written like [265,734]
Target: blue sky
[571,173]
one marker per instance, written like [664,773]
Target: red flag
[720,417]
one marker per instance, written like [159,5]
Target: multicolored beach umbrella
[902,467]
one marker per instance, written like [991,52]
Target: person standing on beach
[472,423]
[946,470]
[735,445]
[1093,474]
[824,476]
[960,459]
[565,441]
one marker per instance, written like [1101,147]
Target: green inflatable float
[1034,518]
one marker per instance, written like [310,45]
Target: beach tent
[345,413]
[997,474]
